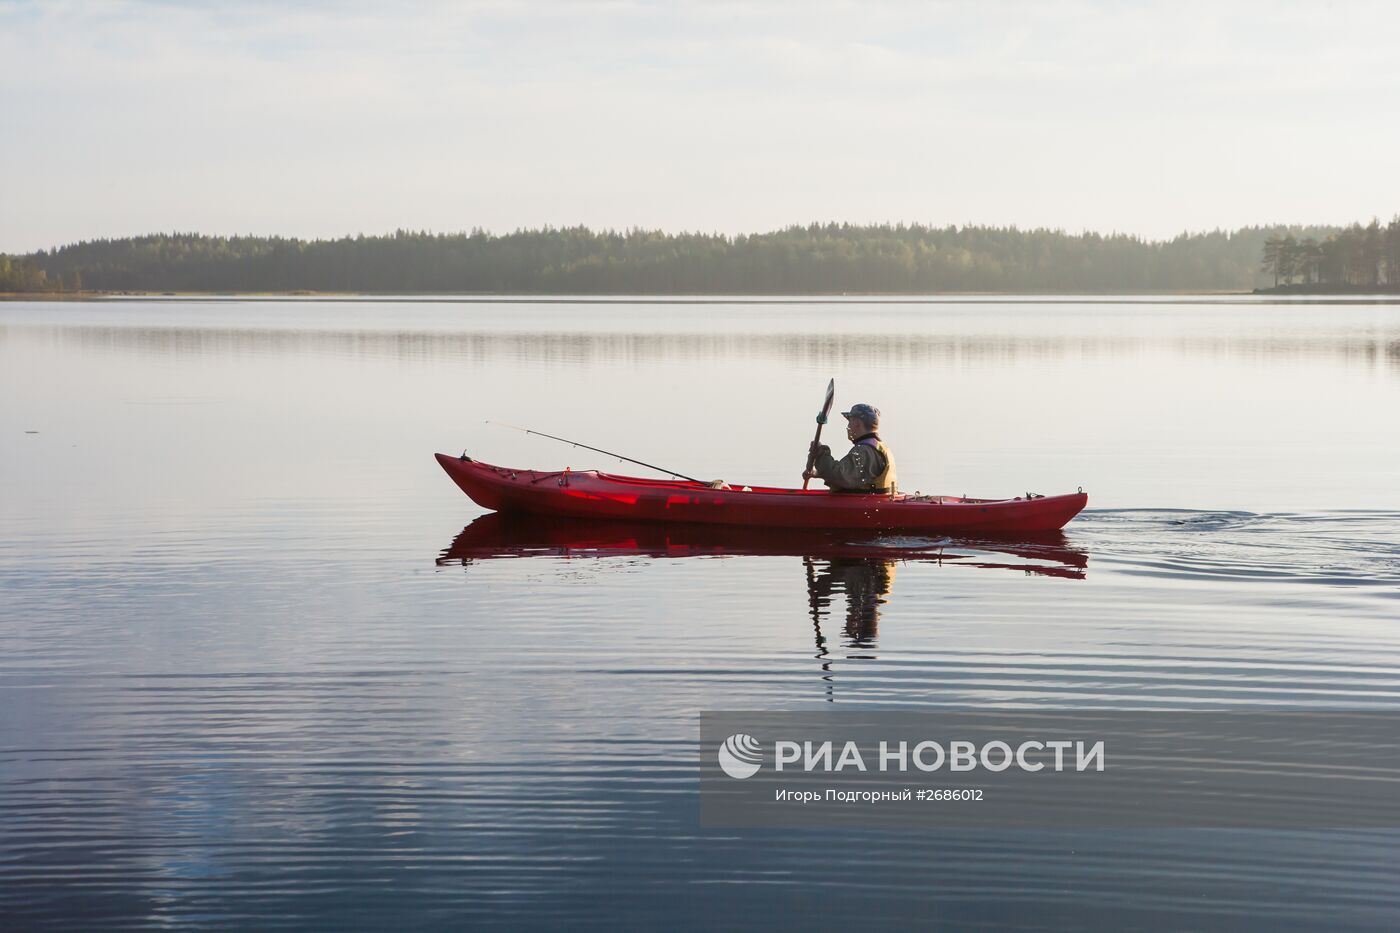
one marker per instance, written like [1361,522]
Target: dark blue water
[262,665]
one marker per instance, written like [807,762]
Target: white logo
[740,756]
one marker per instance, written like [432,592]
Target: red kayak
[591,494]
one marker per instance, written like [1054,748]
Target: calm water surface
[262,664]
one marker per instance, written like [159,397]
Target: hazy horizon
[321,121]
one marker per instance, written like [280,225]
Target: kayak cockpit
[705,487]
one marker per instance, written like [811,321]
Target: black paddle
[807,474]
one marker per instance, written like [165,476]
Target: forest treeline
[815,259]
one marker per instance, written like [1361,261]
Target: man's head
[861,419]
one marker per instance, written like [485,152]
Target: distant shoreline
[639,297]
[815,259]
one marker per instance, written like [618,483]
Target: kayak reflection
[857,563]
[855,566]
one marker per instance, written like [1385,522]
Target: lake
[263,665]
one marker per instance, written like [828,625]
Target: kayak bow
[593,494]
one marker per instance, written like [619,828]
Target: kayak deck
[592,494]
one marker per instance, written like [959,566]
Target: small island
[1355,260]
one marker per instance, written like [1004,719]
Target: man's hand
[813,452]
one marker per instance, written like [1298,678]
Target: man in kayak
[869,467]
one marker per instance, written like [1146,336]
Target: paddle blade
[830,397]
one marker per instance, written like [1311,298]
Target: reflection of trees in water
[610,348]
[864,582]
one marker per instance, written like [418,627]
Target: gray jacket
[858,471]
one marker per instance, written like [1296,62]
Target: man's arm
[850,472]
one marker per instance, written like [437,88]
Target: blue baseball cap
[867,413]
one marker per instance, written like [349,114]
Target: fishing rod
[565,440]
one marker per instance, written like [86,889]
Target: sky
[320,119]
